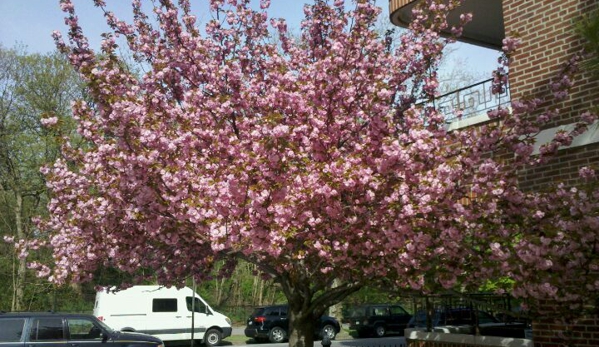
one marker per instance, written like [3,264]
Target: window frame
[35,329]
[20,336]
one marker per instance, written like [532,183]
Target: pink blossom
[305,158]
[587,173]
[66,6]
[48,122]
[264,4]
[510,44]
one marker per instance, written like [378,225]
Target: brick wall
[416,343]
[584,332]
[436,339]
[564,168]
[546,29]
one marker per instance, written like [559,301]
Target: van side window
[164,305]
[198,305]
[45,329]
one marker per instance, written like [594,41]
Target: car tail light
[259,319]
[101,318]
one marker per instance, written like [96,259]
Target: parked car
[167,313]
[378,319]
[65,330]
[462,320]
[270,323]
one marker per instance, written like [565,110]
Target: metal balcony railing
[470,101]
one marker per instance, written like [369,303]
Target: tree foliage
[32,86]
[588,28]
[308,158]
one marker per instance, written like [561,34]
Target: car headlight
[228,320]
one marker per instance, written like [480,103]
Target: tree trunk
[336,309]
[301,328]
[19,282]
[307,303]
[260,292]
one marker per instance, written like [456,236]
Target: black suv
[463,320]
[378,319]
[65,330]
[271,323]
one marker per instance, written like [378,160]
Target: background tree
[308,159]
[32,86]
[588,28]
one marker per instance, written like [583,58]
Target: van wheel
[213,337]
[277,335]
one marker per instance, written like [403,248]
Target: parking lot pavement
[238,330]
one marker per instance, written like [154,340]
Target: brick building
[549,39]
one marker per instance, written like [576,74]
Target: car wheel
[379,331]
[277,335]
[328,331]
[213,337]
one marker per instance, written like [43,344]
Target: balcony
[469,105]
[486,28]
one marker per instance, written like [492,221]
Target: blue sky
[31,22]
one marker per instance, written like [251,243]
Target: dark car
[463,320]
[271,323]
[378,319]
[65,329]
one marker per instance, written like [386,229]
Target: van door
[197,312]
[166,321]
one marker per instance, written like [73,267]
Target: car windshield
[103,325]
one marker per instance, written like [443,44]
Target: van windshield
[196,305]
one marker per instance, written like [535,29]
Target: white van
[167,313]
